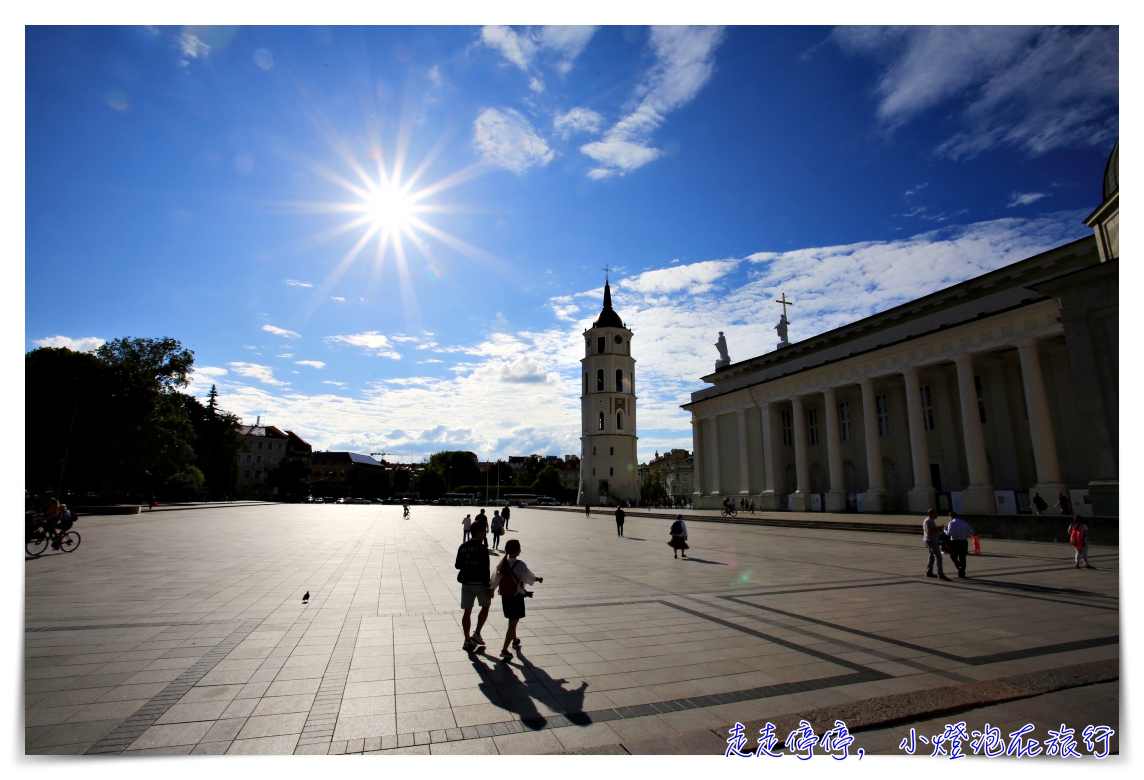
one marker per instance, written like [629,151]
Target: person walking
[751,508]
[620,521]
[466,524]
[1063,504]
[473,574]
[511,576]
[959,532]
[931,531]
[481,521]
[504,518]
[678,541]
[498,529]
[1039,505]
[587,510]
[1078,538]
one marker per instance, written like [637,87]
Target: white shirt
[519,570]
[468,521]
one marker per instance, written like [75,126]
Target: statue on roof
[724,358]
[783,322]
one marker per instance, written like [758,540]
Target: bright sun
[389,208]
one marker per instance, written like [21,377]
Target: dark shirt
[619,515]
[473,561]
[482,522]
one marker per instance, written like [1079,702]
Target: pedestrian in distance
[620,521]
[751,508]
[512,574]
[587,510]
[678,541]
[466,524]
[1063,504]
[504,518]
[959,533]
[498,529]
[1078,538]
[1039,505]
[473,573]
[932,535]
[481,520]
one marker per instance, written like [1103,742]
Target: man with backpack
[1039,505]
[473,565]
[1078,538]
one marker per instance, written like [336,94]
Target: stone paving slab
[167,635]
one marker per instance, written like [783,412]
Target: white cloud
[404,339]
[296,283]
[561,45]
[1025,198]
[338,298]
[331,382]
[1037,88]
[696,278]
[191,48]
[286,334]
[264,374]
[210,371]
[577,120]
[312,363]
[508,140]
[563,307]
[285,355]
[371,341]
[684,62]
[89,344]
[435,75]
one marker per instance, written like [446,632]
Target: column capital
[1027,343]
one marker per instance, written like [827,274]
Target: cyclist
[728,506]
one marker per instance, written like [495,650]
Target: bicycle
[729,511]
[38,537]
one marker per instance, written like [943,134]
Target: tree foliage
[431,484]
[547,483]
[458,467]
[113,424]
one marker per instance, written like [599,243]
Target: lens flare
[264,59]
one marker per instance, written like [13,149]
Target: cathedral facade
[608,463]
[972,398]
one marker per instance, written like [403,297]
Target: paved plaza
[184,632]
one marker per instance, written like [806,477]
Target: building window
[611,471]
[258,474]
[600,426]
[980,399]
[619,421]
[593,450]
[883,407]
[248,459]
[593,472]
[585,384]
[788,427]
[258,459]
[611,450]
[812,425]
[259,445]
[601,343]
[844,429]
[927,409]
[619,380]
[246,475]
[599,380]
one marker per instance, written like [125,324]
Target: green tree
[431,484]
[162,359]
[402,480]
[459,467]
[547,483]
[218,441]
[291,476]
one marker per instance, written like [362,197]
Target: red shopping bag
[976,544]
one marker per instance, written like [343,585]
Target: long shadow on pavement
[503,688]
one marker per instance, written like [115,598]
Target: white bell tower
[608,462]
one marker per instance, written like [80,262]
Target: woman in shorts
[511,576]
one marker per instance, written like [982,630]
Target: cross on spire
[606,271]
[784,302]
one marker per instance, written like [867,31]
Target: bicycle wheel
[36,545]
[69,541]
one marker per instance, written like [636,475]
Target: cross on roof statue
[606,270]
[784,302]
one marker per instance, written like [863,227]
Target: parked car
[545,501]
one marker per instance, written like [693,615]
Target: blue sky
[227,187]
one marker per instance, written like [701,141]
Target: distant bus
[521,498]
[458,499]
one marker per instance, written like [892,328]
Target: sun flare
[389,208]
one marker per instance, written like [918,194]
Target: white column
[977,497]
[714,454]
[1040,421]
[696,459]
[770,497]
[744,458]
[875,498]
[836,497]
[922,497]
[800,501]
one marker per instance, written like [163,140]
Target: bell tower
[608,473]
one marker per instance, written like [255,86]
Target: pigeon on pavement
[306,597]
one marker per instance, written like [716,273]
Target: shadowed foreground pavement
[184,632]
